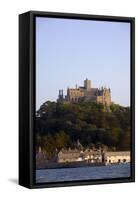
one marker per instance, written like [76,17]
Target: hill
[61,125]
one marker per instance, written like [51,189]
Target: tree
[60,125]
[61,140]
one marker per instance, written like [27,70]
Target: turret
[87,84]
[60,96]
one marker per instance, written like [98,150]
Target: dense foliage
[61,125]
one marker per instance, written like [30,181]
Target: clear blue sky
[68,51]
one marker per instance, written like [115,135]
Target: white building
[117,157]
[75,155]
[71,155]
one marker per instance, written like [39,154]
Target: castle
[86,93]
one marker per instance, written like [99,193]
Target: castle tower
[87,84]
[60,96]
[107,96]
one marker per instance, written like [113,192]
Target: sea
[83,173]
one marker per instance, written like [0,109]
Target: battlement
[86,93]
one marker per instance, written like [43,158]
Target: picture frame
[27,97]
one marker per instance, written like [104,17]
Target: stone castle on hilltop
[86,93]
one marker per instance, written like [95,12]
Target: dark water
[83,173]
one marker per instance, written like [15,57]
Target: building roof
[70,151]
[117,153]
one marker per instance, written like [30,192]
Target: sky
[69,51]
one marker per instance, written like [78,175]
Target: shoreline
[68,165]
[75,165]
